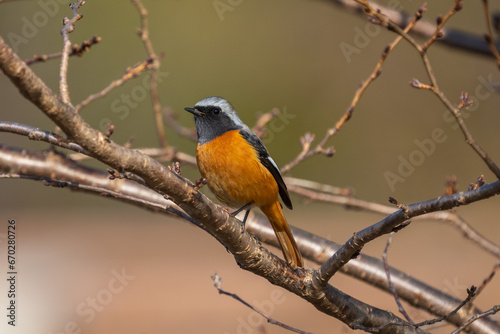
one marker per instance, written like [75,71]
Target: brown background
[261,55]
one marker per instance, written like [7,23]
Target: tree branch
[389,281]
[57,169]
[354,245]
[36,134]
[69,26]
[130,73]
[153,82]
[353,203]
[385,21]
[455,38]
[307,139]
[489,36]
[217,283]
[76,50]
[476,317]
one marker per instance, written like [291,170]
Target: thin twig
[260,126]
[489,36]
[478,183]
[319,187]
[476,317]
[217,283]
[36,134]
[353,203]
[114,174]
[33,133]
[488,279]
[69,26]
[462,40]
[378,68]
[151,205]
[470,294]
[355,244]
[319,149]
[160,154]
[76,50]
[397,203]
[306,152]
[441,21]
[153,82]
[130,73]
[434,87]
[170,119]
[389,281]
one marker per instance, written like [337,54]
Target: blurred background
[91,265]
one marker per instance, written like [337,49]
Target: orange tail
[284,235]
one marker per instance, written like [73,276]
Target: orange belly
[234,173]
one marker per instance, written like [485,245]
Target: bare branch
[130,73]
[462,40]
[69,26]
[145,204]
[353,203]
[377,15]
[217,283]
[319,187]
[441,21]
[488,279]
[306,152]
[161,154]
[308,138]
[470,294]
[489,36]
[33,133]
[50,165]
[354,245]
[153,82]
[391,286]
[476,317]
[371,270]
[36,134]
[76,50]
[170,119]
[260,126]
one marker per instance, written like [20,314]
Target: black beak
[194,111]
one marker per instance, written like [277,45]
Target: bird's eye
[216,111]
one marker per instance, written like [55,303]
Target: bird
[239,170]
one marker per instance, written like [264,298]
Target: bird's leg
[244,207]
[246,216]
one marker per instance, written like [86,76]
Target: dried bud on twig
[479,182]
[451,186]
[176,168]
[109,131]
[400,205]
[200,183]
[464,100]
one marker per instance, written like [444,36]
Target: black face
[209,110]
[211,122]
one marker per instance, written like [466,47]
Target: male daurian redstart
[239,170]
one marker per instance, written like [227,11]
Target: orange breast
[234,173]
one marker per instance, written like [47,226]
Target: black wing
[269,163]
